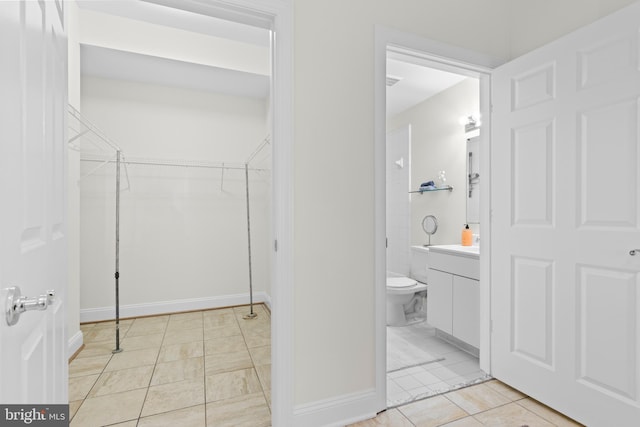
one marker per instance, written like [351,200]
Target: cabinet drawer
[459,265]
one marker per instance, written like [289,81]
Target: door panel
[33,84]
[607,186]
[533,155]
[602,329]
[565,214]
[532,307]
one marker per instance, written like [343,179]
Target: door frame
[450,58]
[276,15]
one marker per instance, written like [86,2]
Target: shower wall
[438,142]
[183,232]
[398,168]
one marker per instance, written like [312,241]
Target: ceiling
[416,82]
[98,61]
[153,13]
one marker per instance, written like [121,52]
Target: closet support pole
[117,275]
[251,314]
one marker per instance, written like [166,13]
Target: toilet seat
[400,282]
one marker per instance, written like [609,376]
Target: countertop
[466,251]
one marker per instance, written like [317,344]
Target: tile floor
[491,403]
[205,368]
[213,368]
[420,365]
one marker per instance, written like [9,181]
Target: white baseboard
[154,308]
[267,300]
[74,343]
[338,411]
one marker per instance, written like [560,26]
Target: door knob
[633,252]
[16,304]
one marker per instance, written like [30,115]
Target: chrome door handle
[16,304]
[633,252]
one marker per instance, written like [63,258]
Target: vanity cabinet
[466,310]
[453,301]
[440,301]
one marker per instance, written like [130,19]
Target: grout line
[439,359]
[164,334]
[204,371]
[152,372]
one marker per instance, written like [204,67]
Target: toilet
[405,295]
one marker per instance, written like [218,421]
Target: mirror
[430,226]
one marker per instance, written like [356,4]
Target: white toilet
[405,296]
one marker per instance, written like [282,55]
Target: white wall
[182,236]
[334,161]
[534,23]
[439,143]
[334,315]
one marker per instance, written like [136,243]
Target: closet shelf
[447,188]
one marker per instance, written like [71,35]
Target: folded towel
[427,187]
[428,184]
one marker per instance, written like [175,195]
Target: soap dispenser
[467,236]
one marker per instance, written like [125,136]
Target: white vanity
[453,302]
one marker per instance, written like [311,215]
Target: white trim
[485,225]
[266,299]
[336,411]
[175,306]
[447,57]
[74,343]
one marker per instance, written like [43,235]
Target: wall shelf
[447,188]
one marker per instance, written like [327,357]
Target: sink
[473,251]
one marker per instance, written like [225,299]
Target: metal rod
[117,275]
[94,130]
[258,149]
[97,168]
[251,315]
[470,172]
[171,163]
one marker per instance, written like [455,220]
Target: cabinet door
[439,300]
[466,310]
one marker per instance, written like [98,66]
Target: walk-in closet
[189,228]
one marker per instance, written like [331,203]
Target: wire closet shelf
[95,147]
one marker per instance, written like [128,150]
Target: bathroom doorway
[432,166]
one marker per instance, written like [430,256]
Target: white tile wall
[398,201]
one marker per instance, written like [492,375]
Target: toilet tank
[419,263]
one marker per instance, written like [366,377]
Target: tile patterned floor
[447,367]
[213,368]
[491,403]
[205,368]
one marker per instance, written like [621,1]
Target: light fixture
[392,80]
[471,123]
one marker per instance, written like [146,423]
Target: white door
[566,214]
[33,84]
